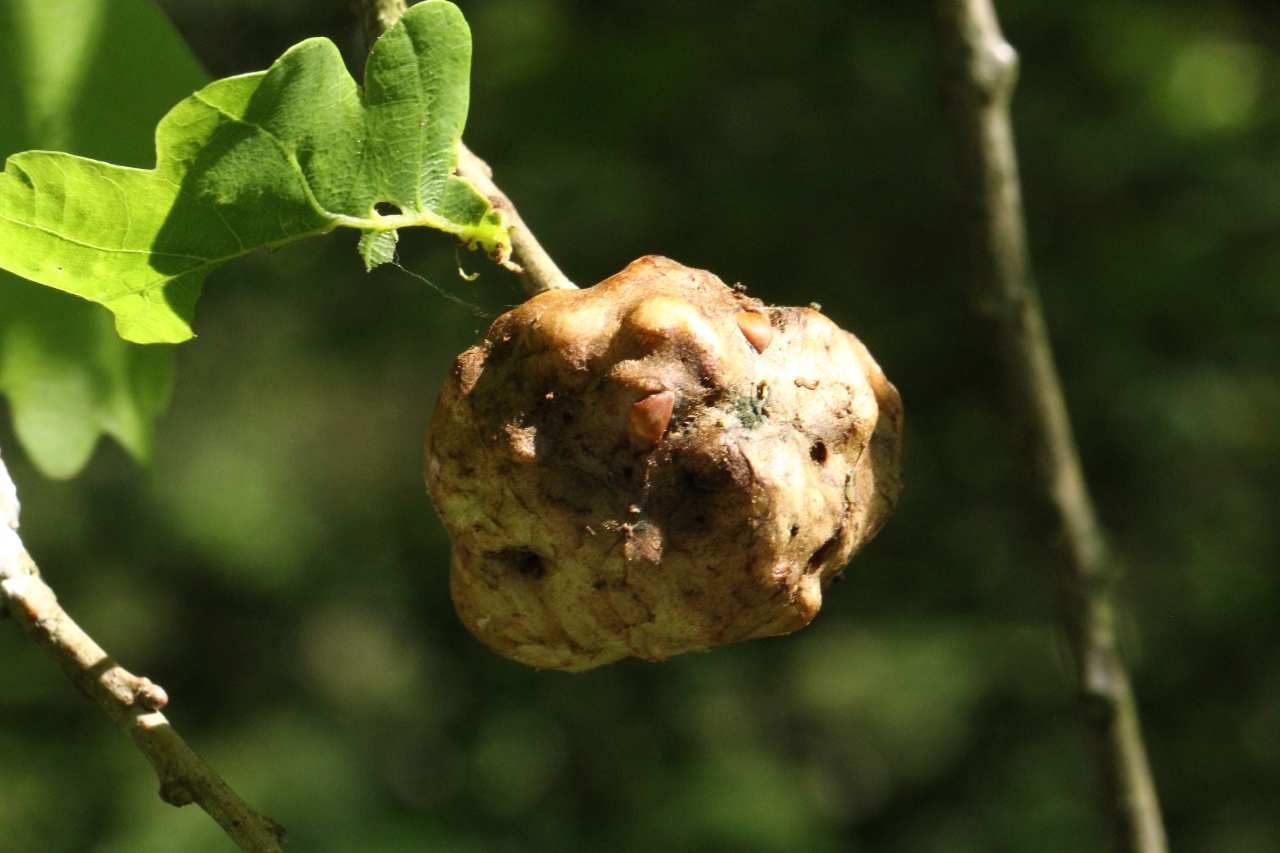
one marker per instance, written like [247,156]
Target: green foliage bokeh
[256,161]
[279,569]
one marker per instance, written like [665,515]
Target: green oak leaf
[253,161]
[91,77]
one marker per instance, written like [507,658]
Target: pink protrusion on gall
[649,417]
[756,328]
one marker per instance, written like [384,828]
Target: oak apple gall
[654,465]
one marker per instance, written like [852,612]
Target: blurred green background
[280,571]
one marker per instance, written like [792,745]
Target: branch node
[276,829]
[996,70]
[176,793]
[150,695]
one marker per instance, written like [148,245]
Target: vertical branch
[538,272]
[980,70]
[132,702]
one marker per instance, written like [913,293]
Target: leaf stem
[538,272]
[132,702]
[980,72]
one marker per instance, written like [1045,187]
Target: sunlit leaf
[252,161]
[91,77]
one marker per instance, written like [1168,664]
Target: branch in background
[132,702]
[538,272]
[980,70]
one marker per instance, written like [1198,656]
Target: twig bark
[379,16]
[980,72]
[131,701]
[537,271]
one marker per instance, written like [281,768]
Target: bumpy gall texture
[654,465]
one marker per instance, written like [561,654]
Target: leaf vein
[284,149]
[87,245]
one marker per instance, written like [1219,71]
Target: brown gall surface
[636,469]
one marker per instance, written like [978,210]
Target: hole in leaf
[818,453]
[386,208]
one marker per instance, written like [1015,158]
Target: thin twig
[379,16]
[132,702]
[980,70]
[538,272]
